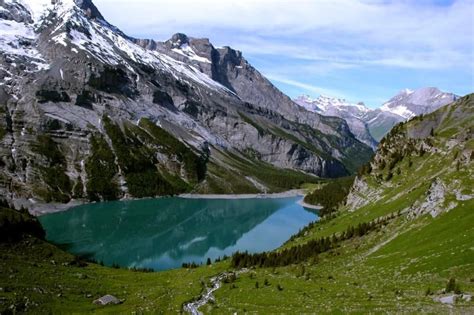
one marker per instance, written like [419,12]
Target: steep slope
[436,149]
[353,114]
[401,243]
[85,112]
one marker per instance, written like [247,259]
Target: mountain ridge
[404,105]
[102,103]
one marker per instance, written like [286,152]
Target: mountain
[369,126]
[353,114]
[405,105]
[89,112]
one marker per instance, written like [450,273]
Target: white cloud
[309,88]
[404,34]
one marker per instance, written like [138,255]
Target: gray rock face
[83,103]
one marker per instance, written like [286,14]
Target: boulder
[107,299]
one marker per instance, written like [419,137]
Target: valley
[144,176]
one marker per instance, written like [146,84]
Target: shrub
[14,225]
[453,286]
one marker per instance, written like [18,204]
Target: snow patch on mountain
[15,41]
[94,36]
[327,105]
[338,107]
[188,52]
[400,110]
[411,103]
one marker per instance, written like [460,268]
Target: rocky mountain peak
[39,9]
[177,40]
[89,8]
[410,103]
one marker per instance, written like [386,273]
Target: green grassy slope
[39,278]
[401,266]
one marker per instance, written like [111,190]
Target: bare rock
[107,299]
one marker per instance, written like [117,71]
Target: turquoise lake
[164,233]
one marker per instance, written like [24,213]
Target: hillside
[405,230]
[88,112]
[401,243]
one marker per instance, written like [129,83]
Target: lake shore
[39,208]
[284,194]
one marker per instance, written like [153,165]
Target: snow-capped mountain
[89,112]
[410,103]
[405,105]
[378,122]
[353,114]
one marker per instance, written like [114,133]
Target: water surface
[163,233]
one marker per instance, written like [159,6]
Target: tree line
[331,195]
[301,253]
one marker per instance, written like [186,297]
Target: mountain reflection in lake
[163,233]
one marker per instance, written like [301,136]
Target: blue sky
[361,50]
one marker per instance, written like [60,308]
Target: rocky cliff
[88,112]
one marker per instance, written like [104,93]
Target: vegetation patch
[276,179]
[162,98]
[15,224]
[113,80]
[138,163]
[3,132]
[260,129]
[53,170]
[101,171]
[331,195]
[195,165]
[45,96]
[86,99]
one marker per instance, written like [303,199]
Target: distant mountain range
[371,125]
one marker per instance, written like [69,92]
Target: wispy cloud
[321,37]
[306,87]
